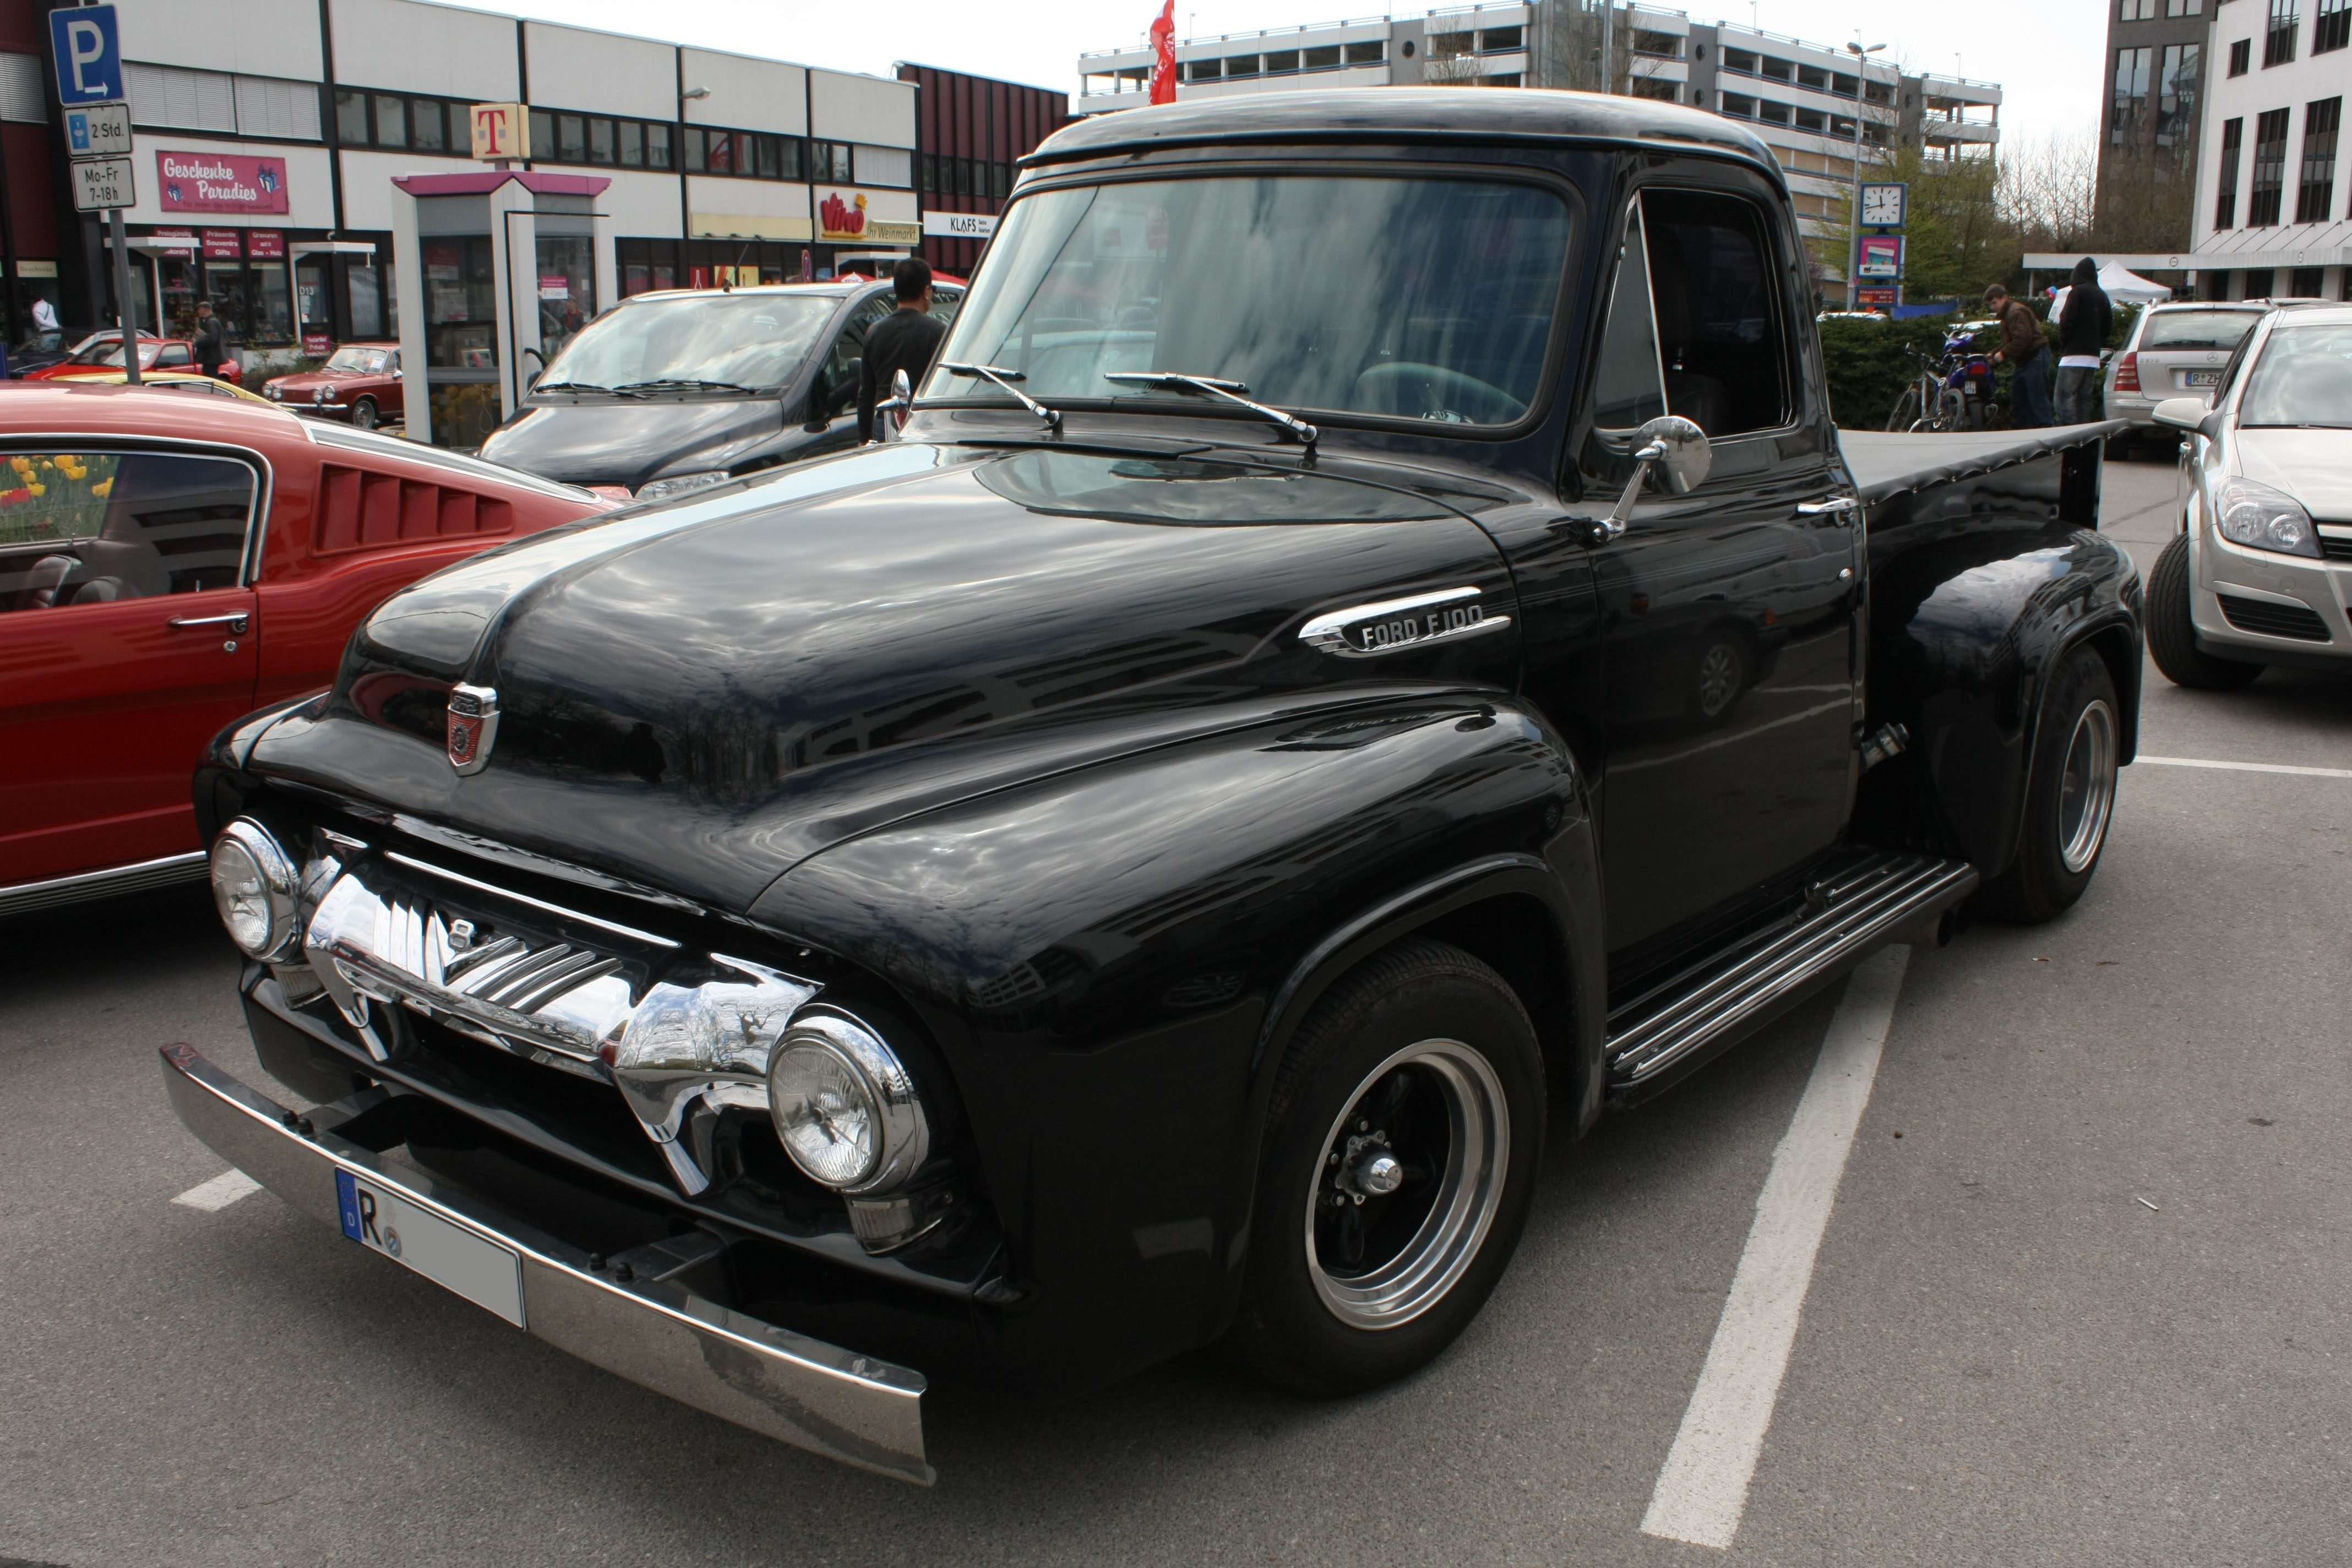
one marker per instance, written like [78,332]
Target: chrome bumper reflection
[813,1395]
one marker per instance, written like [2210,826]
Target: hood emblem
[1392,625]
[473,727]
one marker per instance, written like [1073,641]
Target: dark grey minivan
[666,393]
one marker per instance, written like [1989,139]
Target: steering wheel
[1417,391]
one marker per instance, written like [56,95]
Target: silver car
[2261,572]
[2174,351]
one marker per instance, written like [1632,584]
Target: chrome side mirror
[890,414]
[1677,450]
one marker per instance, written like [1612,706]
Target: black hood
[2086,271]
[698,695]
[628,441]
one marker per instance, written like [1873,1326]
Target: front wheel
[1402,1140]
[363,413]
[2070,797]
[2172,638]
[1907,410]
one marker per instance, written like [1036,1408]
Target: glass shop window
[83,528]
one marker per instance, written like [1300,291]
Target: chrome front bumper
[830,1401]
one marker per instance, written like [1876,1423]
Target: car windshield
[743,340]
[359,359]
[1414,297]
[2198,328]
[2302,379]
[110,352]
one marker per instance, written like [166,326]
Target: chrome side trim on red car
[23,896]
[632,1322]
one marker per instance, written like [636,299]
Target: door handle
[1827,508]
[235,622]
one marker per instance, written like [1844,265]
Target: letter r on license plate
[482,1271]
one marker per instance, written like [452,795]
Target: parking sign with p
[88,48]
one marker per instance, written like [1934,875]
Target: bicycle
[1931,403]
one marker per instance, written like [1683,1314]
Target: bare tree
[2049,190]
[1567,46]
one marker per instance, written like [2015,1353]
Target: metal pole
[1607,66]
[1853,247]
[122,295]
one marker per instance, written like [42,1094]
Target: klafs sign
[960,225]
[88,48]
[220,183]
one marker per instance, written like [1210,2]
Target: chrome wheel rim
[1407,1185]
[1718,679]
[2086,790]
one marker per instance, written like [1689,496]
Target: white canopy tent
[2122,286]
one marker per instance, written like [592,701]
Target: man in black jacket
[905,340]
[2083,324]
[211,350]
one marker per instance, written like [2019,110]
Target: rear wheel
[1907,410]
[2070,798]
[363,413]
[2172,638]
[1402,1145]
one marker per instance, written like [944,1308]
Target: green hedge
[1868,366]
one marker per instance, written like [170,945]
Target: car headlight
[319,395]
[683,484]
[277,393]
[2260,518]
[845,1106]
[252,887]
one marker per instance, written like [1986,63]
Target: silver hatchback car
[2261,570]
[2174,351]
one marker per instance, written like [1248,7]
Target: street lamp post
[1853,245]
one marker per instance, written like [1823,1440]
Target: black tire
[363,413]
[1907,409]
[2070,797]
[1445,1234]
[2172,640]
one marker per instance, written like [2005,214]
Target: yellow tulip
[40,489]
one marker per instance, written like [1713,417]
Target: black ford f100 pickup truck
[1369,653]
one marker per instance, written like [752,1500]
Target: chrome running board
[26,896]
[1846,915]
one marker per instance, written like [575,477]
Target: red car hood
[308,380]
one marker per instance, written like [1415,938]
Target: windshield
[110,352]
[746,339]
[2303,378]
[2198,328]
[1414,297]
[359,359]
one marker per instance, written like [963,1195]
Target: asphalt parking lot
[2084,1295]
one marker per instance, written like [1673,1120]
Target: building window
[1510,40]
[1659,88]
[2278,43]
[2270,169]
[2225,204]
[351,119]
[1282,62]
[2308,283]
[2333,30]
[2241,57]
[1371,53]
[397,120]
[2135,11]
[2183,8]
[2258,283]
[428,127]
[2131,96]
[829,161]
[2178,69]
[177,99]
[1241,65]
[2315,192]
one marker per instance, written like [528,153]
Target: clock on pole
[1884,204]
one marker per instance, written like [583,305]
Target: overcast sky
[2046,53]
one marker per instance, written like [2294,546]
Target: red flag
[1163,45]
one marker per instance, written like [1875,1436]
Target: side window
[90,529]
[944,306]
[2230,371]
[174,356]
[1713,343]
[841,379]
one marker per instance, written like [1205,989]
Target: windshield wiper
[690,381]
[581,386]
[1213,386]
[1005,378]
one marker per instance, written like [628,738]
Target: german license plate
[2203,378]
[487,1275]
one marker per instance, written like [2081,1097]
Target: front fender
[1967,623]
[1111,959]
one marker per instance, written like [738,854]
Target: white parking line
[2248,767]
[1702,1489]
[219,1192]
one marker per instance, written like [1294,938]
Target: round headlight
[845,1106]
[252,887]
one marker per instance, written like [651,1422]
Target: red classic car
[168,565]
[360,383]
[102,354]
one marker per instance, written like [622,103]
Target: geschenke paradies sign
[220,183]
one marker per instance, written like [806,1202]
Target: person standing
[906,340]
[46,330]
[211,350]
[2083,324]
[2028,353]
